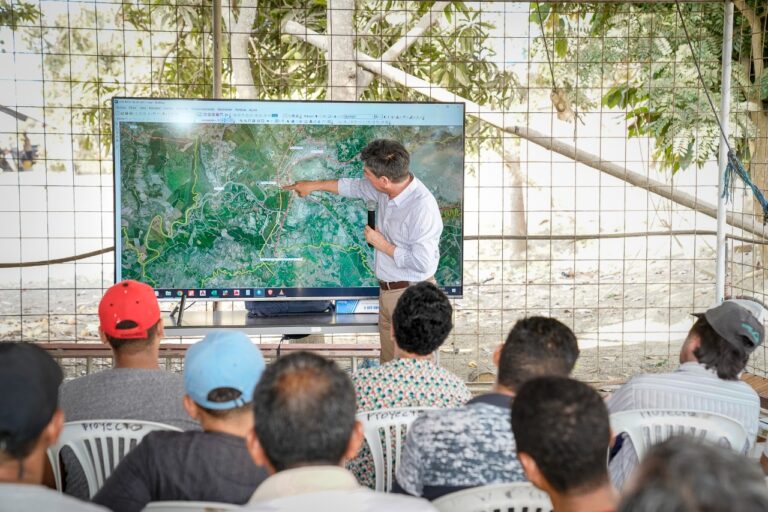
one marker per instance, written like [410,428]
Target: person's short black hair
[536,346]
[422,319]
[385,157]
[716,352]
[128,344]
[562,424]
[220,395]
[304,411]
[687,475]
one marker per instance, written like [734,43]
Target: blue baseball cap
[223,359]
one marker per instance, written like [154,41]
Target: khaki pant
[387,302]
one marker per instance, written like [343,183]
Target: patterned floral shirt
[403,382]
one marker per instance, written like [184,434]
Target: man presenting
[408,227]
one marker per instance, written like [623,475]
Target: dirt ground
[629,317]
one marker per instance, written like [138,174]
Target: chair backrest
[99,445]
[385,431]
[189,506]
[648,427]
[514,497]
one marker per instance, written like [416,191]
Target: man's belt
[394,285]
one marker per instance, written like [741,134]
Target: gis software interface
[200,211]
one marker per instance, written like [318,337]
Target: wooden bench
[353,351]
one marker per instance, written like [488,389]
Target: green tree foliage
[166,51]
[13,14]
[635,56]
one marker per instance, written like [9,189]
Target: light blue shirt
[411,221]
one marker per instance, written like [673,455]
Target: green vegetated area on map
[201,205]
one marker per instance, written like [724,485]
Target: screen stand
[181,310]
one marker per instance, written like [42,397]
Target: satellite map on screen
[201,204]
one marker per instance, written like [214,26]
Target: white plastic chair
[382,429]
[513,497]
[189,506]
[648,427]
[99,445]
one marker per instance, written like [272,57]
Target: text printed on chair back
[512,497]
[648,427]
[99,445]
[385,431]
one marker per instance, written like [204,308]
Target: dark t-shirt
[189,466]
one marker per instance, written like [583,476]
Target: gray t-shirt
[121,394]
[23,497]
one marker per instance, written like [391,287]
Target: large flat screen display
[199,209]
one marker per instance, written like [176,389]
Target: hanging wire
[734,164]
[546,46]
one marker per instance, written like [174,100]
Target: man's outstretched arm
[304,188]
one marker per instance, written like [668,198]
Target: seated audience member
[136,388]
[454,449]
[686,475]
[30,422]
[713,355]
[421,323]
[304,430]
[562,432]
[220,373]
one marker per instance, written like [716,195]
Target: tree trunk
[240,33]
[546,141]
[511,154]
[342,69]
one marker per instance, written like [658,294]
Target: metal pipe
[722,158]
[217,49]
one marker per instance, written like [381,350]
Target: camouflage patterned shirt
[455,449]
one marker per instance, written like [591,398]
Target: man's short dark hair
[221,395]
[134,345]
[685,475]
[536,346]
[304,411]
[385,157]
[422,319]
[563,425]
[716,352]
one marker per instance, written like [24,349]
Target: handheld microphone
[371,215]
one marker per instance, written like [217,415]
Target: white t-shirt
[327,488]
[22,497]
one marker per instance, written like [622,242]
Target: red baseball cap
[129,300]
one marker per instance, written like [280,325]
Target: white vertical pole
[725,111]
[216,71]
[217,49]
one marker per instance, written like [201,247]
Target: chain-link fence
[591,151]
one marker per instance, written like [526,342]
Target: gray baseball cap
[739,321]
